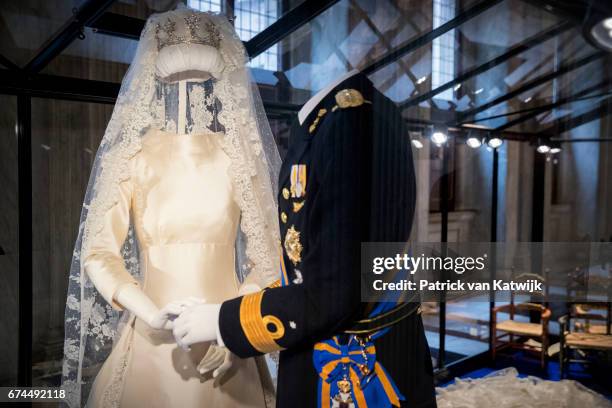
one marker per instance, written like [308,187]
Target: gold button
[283,217]
[285,193]
[297,206]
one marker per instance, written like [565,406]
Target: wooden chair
[584,335]
[515,334]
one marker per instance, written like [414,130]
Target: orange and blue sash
[284,278]
[371,385]
[370,388]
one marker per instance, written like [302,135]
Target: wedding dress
[180,204]
[185,215]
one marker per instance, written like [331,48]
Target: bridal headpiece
[188,41]
[191,29]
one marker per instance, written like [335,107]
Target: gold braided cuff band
[275,284]
[255,326]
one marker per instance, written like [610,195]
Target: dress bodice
[182,191]
[179,197]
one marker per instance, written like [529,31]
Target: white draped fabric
[505,389]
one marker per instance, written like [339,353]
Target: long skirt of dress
[181,201]
[148,369]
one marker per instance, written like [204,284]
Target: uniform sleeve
[103,262]
[328,298]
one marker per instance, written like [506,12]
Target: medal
[343,399]
[298,180]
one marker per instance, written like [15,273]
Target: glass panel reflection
[362,33]
[9,242]
[65,138]
[42,18]
[582,80]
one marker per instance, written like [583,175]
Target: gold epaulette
[346,98]
[349,98]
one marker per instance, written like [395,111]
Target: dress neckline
[190,141]
[186,135]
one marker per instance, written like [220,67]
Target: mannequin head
[186,66]
[188,48]
[192,62]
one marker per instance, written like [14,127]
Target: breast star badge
[293,246]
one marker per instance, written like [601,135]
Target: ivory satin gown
[179,196]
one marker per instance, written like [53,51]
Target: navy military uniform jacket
[348,177]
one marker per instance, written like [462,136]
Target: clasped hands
[194,321]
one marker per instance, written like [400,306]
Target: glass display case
[474,70]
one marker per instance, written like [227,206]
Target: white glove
[164,318]
[217,358]
[137,302]
[198,323]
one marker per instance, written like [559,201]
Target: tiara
[206,33]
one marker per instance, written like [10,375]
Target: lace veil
[91,324]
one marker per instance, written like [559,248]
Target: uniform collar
[312,103]
[356,81]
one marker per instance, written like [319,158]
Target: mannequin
[181,69]
[179,211]
[347,178]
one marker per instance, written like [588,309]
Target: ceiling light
[555,147]
[543,149]
[598,31]
[439,135]
[416,138]
[543,146]
[476,92]
[473,142]
[439,138]
[456,88]
[421,80]
[494,142]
